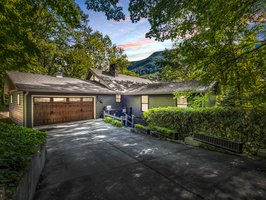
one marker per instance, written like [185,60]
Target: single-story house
[40,99]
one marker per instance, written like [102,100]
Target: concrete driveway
[94,160]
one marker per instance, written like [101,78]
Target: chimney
[59,75]
[114,70]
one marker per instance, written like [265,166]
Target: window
[144,103]
[74,99]
[41,99]
[11,98]
[117,98]
[18,99]
[88,99]
[181,101]
[58,99]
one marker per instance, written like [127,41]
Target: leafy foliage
[244,124]
[108,119]
[164,131]
[118,123]
[17,145]
[141,126]
[49,36]
[215,40]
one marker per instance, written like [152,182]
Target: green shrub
[165,131]
[117,123]
[17,145]
[240,124]
[108,119]
[141,126]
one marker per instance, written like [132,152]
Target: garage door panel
[57,112]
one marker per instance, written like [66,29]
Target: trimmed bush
[169,133]
[141,129]
[140,126]
[117,123]
[239,124]
[17,146]
[107,119]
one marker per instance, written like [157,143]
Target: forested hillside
[148,65]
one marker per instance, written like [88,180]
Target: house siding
[133,102]
[106,100]
[16,110]
[156,101]
[211,100]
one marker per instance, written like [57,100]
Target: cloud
[136,44]
[128,20]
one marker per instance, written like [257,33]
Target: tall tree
[27,31]
[223,40]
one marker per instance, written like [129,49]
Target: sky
[125,34]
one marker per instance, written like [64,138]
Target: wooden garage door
[50,110]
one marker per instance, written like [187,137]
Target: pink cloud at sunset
[137,44]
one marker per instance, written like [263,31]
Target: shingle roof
[121,83]
[169,88]
[130,85]
[43,83]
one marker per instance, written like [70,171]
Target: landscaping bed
[21,150]
[244,125]
[156,131]
[114,122]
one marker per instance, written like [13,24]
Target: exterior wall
[16,113]
[29,103]
[106,100]
[133,102]
[101,101]
[211,101]
[156,101]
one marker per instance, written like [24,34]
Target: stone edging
[27,185]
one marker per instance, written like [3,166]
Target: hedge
[17,145]
[240,124]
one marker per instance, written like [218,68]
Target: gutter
[25,108]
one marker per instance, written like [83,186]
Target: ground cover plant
[117,123]
[17,146]
[108,119]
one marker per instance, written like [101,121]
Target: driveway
[94,160]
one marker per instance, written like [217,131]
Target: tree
[219,40]
[47,36]
[27,32]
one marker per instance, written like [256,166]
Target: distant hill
[148,65]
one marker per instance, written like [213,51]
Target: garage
[50,110]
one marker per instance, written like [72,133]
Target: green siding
[161,101]
[211,101]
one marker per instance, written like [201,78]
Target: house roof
[130,85]
[43,83]
[121,83]
[169,88]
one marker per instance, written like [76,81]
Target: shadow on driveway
[94,160]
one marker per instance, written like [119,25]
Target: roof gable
[121,83]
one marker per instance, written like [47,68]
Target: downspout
[25,108]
